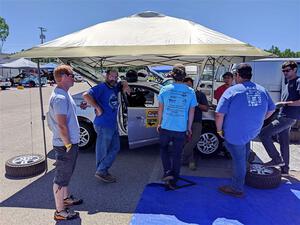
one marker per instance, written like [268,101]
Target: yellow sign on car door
[151,117]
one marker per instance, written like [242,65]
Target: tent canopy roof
[19,64]
[147,37]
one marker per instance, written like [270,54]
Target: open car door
[142,117]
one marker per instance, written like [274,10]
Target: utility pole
[42,35]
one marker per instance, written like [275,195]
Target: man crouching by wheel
[65,128]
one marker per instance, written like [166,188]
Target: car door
[142,117]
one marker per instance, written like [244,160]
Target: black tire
[209,144]
[32,84]
[3,88]
[87,135]
[26,165]
[262,177]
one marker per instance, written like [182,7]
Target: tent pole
[42,115]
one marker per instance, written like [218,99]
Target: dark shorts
[65,164]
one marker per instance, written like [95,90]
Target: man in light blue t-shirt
[240,114]
[176,110]
[64,125]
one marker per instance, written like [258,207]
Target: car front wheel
[87,135]
[209,143]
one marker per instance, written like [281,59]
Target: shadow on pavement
[132,169]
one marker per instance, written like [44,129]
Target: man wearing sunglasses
[64,125]
[288,115]
[104,98]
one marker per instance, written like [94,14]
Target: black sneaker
[107,178]
[171,185]
[167,176]
[274,163]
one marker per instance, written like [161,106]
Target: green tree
[4,32]
[287,53]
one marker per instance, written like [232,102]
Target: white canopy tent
[147,38]
[19,64]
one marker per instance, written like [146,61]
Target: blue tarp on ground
[203,204]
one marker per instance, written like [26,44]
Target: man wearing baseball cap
[176,110]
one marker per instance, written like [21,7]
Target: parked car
[31,80]
[4,83]
[78,78]
[138,122]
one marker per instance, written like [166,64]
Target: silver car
[137,121]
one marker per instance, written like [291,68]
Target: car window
[141,97]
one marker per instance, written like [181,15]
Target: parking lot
[30,201]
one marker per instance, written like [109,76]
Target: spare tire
[26,165]
[259,176]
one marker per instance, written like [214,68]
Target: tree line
[287,53]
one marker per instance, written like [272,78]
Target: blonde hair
[60,70]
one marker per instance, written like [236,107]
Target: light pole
[42,35]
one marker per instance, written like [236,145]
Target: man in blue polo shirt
[104,98]
[240,114]
[176,110]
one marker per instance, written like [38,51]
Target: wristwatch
[68,146]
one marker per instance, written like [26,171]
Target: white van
[267,73]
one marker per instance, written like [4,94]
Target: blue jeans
[107,147]
[239,154]
[282,127]
[171,154]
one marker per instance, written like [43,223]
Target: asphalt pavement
[30,201]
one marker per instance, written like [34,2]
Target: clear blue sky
[261,23]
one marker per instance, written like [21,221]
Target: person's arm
[290,103]
[159,116]
[191,119]
[203,103]
[61,120]
[90,100]
[60,107]
[219,119]
[125,87]
[203,108]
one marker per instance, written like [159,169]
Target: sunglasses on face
[70,75]
[286,71]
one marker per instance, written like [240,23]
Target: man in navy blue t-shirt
[104,98]
[240,114]
[288,115]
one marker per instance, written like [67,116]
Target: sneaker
[107,178]
[274,163]
[284,171]
[192,165]
[171,185]
[65,214]
[167,176]
[71,200]
[229,191]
